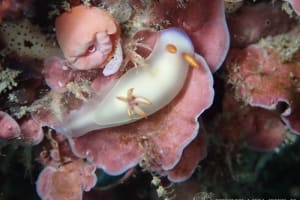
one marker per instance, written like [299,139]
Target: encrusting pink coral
[260,129]
[9,127]
[64,176]
[28,131]
[202,24]
[268,77]
[191,156]
[253,22]
[296,5]
[32,133]
[67,181]
[56,74]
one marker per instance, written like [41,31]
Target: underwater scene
[149,99]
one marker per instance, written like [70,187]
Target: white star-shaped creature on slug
[134,104]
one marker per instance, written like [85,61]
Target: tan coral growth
[7,79]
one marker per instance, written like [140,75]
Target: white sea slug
[141,91]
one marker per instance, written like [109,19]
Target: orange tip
[171,48]
[191,60]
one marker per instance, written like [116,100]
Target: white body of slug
[160,80]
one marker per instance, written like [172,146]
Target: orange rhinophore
[191,60]
[171,48]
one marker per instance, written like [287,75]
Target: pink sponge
[66,182]
[262,78]
[9,127]
[203,24]
[296,5]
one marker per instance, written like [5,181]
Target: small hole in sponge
[282,107]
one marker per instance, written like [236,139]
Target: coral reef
[142,99]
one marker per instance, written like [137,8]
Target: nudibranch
[141,91]
[88,37]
